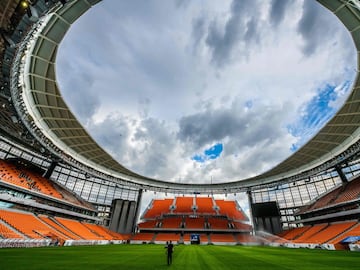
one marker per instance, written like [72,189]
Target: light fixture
[24,4]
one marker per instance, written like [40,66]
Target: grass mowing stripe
[185,257]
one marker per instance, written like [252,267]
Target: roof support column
[137,211]
[341,174]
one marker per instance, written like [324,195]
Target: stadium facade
[38,127]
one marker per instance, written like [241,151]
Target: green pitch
[185,257]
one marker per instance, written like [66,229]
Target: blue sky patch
[315,115]
[208,154]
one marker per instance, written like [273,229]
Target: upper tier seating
[229,209]
[205,206]
[20,176]
[346,192]
[350,192]
[184,205]
[159,207]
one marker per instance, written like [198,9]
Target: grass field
[185,257]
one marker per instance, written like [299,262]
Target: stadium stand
[222,238]
[194,222]
[184,205]
[148,224]
[157,208]
[79,229]
[25,175]
[54,224]
[103,232]
[186,218]
[7,232]
[309,233]
[142,237]
[328,233]
[294,233]
[346,192]
[28,224]
[229,209]
[172,222]
[327,219]
[204,205]
[353,231]
[241,226]
[163,237]
[218,224]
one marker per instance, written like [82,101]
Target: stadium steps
[77,237]
[59,227]
[294,233]
[338,238]
[308,233]
[215,207]
[172,206]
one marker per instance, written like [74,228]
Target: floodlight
[24,4]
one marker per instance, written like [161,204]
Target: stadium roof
[44,109]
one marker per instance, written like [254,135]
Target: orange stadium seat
[329,232]
[205,205]
[67,233]
[354,231]
[184,205]
[293,233]
[143,237]
[103,232]
[242,226]
[350,192]
[171,222]
[6,232]
[225,238]
[218,224]
[303,238]
[79,229]
[195,223]
[28,224]
[167,237]
[159,207]
[148,224]
[229,209]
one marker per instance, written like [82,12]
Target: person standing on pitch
[169,249]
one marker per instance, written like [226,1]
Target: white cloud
[157,82]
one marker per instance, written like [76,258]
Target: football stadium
[66,203]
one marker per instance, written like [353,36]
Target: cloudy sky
[205,91]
